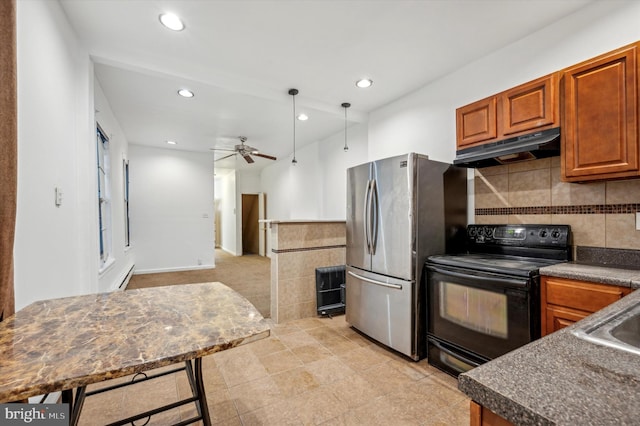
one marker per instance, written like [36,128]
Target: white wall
[171,205]
[123,258]
[315,188]
[334,162]
[425,120]
[225,196]
[56,249]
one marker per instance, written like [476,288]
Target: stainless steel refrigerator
[399,211]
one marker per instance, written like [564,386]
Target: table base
[193,371]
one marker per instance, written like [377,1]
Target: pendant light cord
[293,93]
[345,106]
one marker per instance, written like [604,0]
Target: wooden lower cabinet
[482,416]
[565,301]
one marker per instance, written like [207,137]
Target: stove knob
[472,231]
[488,232]
[543,233]
[555,233]
[480,232]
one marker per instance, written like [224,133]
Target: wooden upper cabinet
[476,122]
[600,117]
[530,106]
[517,111]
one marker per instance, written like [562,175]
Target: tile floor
[314,371]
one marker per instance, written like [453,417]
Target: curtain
[8,153]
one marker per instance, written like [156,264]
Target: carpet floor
[249,275]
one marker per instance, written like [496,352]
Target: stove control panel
[520,235]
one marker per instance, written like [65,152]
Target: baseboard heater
[330,289]
[125,281]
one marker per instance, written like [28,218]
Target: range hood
[542,144]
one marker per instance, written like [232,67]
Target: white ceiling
[241,57]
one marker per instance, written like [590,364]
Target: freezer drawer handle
[369,280]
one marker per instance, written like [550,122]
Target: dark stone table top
[59,344]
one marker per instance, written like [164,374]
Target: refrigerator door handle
[376,282]
[367,216]
[374,216]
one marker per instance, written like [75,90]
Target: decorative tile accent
[583,209]
[292,250]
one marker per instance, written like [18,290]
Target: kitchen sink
[620,330]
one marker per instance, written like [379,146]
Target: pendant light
[293,93]
[345,106]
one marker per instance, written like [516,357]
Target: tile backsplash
[601,214]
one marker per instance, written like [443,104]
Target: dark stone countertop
[603,274]
[561,379]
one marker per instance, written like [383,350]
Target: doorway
[250,224]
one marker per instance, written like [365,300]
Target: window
[104,193]
[125,172]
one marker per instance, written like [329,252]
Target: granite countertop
[614,275]
[60,344]
[561,379]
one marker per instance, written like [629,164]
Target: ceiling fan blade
[269,157]
[226,156]
[247,158]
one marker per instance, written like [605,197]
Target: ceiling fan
[245,150]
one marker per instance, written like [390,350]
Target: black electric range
[485,302]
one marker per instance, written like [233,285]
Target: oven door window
[486,314]
[473,308]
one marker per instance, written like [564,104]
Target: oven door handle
[453,354]
[376,282]
[505,282]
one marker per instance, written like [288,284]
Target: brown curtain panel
[8,153]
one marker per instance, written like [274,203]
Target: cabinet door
[482,416]
[585,296]
[600,117]
[559,317]
[476,122]
[530,106]
[564,301]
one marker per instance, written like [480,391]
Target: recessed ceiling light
[171,21]
[303,117]
[365,82]
[186,93]
[172,142]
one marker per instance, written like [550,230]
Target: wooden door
[600,117]
[250,232]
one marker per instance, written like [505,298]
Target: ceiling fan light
[364,83]
[186,93]
[303,117]
[172,142]
[172,21]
